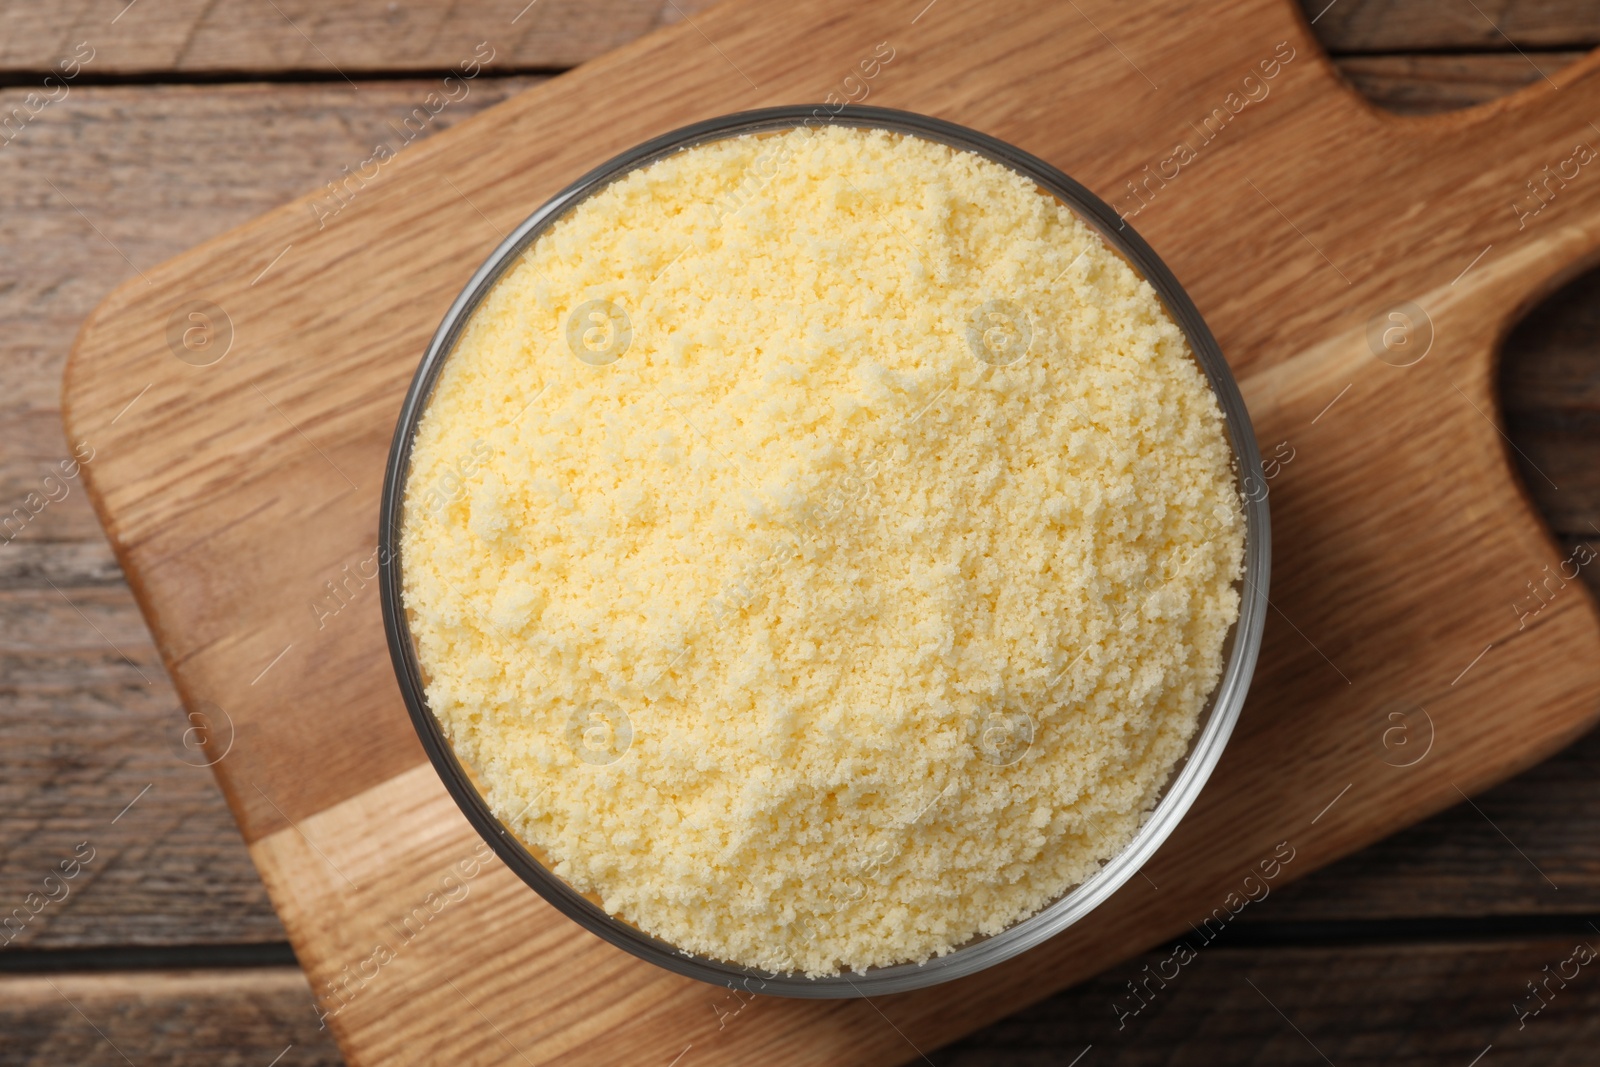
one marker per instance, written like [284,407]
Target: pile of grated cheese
[821,547]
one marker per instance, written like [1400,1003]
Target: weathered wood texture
[345,834]
[1427,25]
[329,40]
[356,37]
[74,713]
[219,1018]
[1426,84]
[88,718]
[1550,385]
[85,730]
[1426,1004]
[86,724]
[1436,1004]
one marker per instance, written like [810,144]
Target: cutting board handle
[1543,215]
[1560,105]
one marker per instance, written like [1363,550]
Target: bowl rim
[1217,718]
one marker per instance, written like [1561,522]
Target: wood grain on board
[241,485]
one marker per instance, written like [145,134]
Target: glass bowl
[1189,775]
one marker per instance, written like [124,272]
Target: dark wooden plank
[344,37]
[359,37]
[1550,387]
[90,726]
[1418,1003]
[238,1018]
[35,563]
[1420,84]
[1423,1004]
[1425,25]
[87,717]
[1550,364]
[90,723]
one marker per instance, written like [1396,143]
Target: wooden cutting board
[1426,639]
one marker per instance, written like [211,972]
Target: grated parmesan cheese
[821,547]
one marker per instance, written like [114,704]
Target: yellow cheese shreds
[797,634]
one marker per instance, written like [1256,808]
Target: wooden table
[170,123]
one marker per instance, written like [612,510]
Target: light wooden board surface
[230,492]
